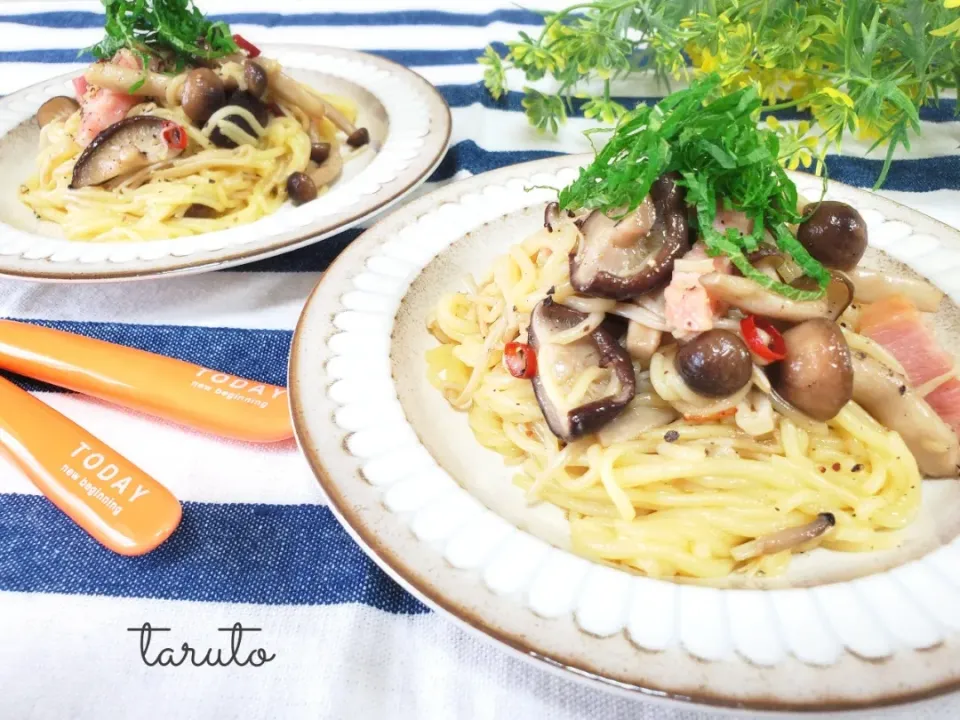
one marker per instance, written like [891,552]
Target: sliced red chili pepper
[174,135]
[248,47]
[520,360]
[772,350]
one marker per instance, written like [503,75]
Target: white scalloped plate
[438,511]
[409,124]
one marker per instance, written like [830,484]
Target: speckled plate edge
[417,139]
[888,638]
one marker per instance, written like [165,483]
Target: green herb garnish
[714,142]
[174,30]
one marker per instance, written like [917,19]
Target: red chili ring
[751,326]
[520,360]
[175,136]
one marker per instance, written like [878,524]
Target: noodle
[674,500]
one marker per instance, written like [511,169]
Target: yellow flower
[772,122]
[838,95]
[947,29]
[953,27]
[801,157]
[708,62]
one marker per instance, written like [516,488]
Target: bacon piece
[80,87]
[945,401]
[689,309]
[99,107]
[898,326]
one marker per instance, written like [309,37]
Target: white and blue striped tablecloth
[257,544]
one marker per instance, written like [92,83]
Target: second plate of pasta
[227,176]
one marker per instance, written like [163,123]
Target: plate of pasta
[669,417]
[184,147]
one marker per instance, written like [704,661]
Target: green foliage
[859,66]
[174,30]
[494,76]
[546,112]
[714,142]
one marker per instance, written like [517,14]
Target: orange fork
[178,391]
[103,492]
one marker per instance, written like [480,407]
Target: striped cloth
[257,544]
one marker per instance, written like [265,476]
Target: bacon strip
[897,325]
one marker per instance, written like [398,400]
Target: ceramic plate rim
[367,533]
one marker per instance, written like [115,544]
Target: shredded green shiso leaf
[714,142]
[173,29]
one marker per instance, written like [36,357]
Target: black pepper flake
[571,213]
[861,355]
[552,290]
[902,389]
[514,308]
[836,467]
[777,509]
[671,436]
[822,469]
[856,468]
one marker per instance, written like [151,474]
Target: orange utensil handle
[155,384]
[103,492]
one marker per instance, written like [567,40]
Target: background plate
[409,123]
[438,512]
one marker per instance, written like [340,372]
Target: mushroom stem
[784,539]
[753,298]
[329,169]
[885,395]
[121,79]
[874,285]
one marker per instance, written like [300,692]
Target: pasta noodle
[676,500]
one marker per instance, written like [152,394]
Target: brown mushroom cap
[816,377]
[301,188]
[125,146]
[551,216]
[358,138]
[255,77]
[625,259]
[835,234]
[558,365]
[319,152]
[716,363]
[202,96]
[56,108]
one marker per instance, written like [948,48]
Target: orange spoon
[155,384]
[103,492]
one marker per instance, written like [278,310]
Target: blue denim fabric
[267,554]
